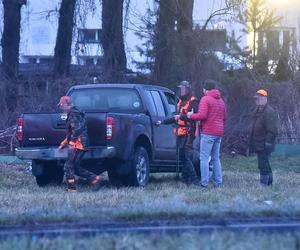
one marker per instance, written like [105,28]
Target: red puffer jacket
[212,113]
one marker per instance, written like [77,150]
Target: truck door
[163,136]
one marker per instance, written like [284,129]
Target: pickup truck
[124,140]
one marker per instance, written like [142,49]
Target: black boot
[264,179]
[270,182]
[71,187]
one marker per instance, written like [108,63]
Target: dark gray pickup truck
[121,126]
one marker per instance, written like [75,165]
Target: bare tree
[258,18]
[186,47]
[230,8]
[113,40]
[164,41]
[62,51]
[174,48]
[11,36]
[10,49]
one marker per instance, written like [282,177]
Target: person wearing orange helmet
[263,134]
[77,143]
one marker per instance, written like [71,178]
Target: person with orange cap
[263,134]
[77,142]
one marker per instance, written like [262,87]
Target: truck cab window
[157,103]
[171,99]
[108,99]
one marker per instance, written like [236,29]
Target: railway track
[265,224]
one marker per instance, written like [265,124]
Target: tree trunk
[10,50]
[113,41]
[11,37]
[186,52]
[62,51]
[164,42]
[254,49]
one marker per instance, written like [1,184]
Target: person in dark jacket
[212,114]
[77,142]
[263,134]
[185,131]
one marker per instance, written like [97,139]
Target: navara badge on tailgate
[63,117]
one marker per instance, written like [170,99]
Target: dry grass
[214,240]
[22,201]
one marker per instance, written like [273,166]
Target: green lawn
[213,240]
[22,201]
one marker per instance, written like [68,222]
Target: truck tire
[115,179]
[43,180]
[55,176]
[47,172]
[139,168]
[131,173]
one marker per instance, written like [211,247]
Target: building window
[89,35]
[47,60]
[89,61]
[32,60]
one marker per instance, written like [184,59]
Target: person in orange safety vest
[185,131]
[77,143]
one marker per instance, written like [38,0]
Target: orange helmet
[65,100]
[261,92]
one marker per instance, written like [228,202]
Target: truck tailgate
[48,129]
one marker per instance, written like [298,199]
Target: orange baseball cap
[65,100]
[261,92]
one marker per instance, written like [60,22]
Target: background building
[40,19]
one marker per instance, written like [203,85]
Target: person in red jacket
[212,114]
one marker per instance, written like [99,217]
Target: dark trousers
[263,162]
[188,172]
[72,165]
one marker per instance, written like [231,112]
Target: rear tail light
[110,127]
[20,128]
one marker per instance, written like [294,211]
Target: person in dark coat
[263,134]
[77,143]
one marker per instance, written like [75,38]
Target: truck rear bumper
[54,153]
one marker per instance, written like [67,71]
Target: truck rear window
[107,99]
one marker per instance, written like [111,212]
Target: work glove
[189,114]
[158,123]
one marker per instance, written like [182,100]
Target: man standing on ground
[185,131]
[263,134]
[77,142]
[212,114]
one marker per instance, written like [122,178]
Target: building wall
[289,10]
[38,32]
[39,26]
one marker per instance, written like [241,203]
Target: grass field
[23,202]
[190,241]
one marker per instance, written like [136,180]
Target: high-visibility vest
[183,126]
[77,144]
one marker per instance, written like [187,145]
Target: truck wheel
[115,178]
[46,173]
[54,176]
[140,168]
[57,175]
[43,180]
